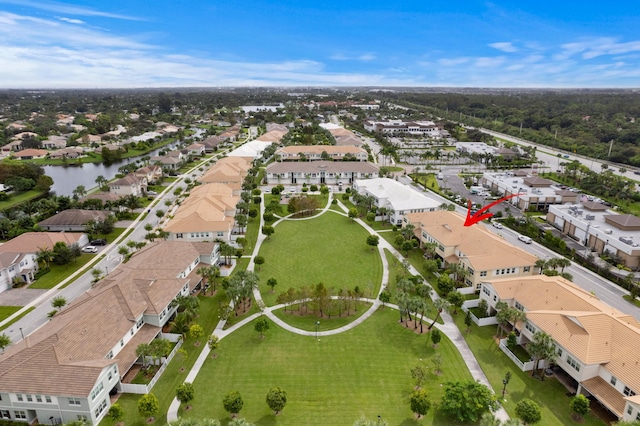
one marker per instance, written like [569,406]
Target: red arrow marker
[479,215]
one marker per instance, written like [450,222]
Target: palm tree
[441,305]
[541,264]
[563,263]
[143,351]
[541,347]
[45,256]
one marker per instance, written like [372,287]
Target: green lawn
[307,322]
[20,198]
[8,313]
[58,273]
[306,252]
[165,389]
[334,381]
[549,394]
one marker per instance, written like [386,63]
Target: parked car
[98,242]
[496,224]
[525,239]
[152,193]
[90,249]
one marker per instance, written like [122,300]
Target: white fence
[524,366]
[466,307]
[144,389]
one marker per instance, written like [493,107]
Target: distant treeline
[582,122]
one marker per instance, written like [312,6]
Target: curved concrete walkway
[448,328]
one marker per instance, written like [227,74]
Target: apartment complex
[321,152]
[66,370]
[484,255]
[597,346]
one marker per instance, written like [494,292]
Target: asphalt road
[552,162]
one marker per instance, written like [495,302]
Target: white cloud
[69,9]
[594,48]
[72,21]
[343,57]
[504,46]
[452,62]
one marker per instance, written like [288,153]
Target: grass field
[8,313]
[307,252]
[20,198]
[549,394]
[165,389]
[366,371]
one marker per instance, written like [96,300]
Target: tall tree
[233,403]
[148,405]
[276,399]
[466,401]
[185,393]
[4,341]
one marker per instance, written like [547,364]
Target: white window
[573,363]
[628,392]
[74,401]
[47,398]
[82,417]
[121,342]
[19,397]
[29,398]
[527,268]
[483,273]
[101,407]
[39,398]
[613,381]
[486,291]
[140,322]
[629,410]
[5,414]
[109,355]
[96,391]
[20,414]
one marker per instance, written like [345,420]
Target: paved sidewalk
[448,328]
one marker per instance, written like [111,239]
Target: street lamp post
[317,328]
[21,333]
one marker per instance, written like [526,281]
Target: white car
[496,224]
[90,249]
[525,239]
[152,193]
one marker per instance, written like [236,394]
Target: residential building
[129,185]
[19,256]
[73,220]
[483,254]
[206,215]
[341,135]
[532,191]
[319,172]
[66,370]
[196,149]
[69,153]
[152,173]
[600,229]
[31,154]
[395,198]
[597,346]
[321,152]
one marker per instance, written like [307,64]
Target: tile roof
[75,217]
[66,356]
[32,242]
[591,330]
[483,249]
[326,166]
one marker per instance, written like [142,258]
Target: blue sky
[160,43]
